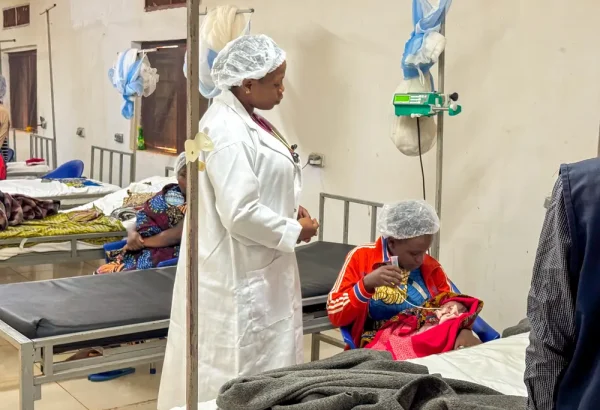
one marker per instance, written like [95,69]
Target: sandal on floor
[106,376]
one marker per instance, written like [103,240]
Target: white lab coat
[250,305]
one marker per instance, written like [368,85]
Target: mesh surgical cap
[180,163]
[247,57]
[408,219]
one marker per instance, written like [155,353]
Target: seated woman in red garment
[382,280]
[158,229]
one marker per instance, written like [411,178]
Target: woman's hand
[387,275]
[302,213]
[310,228]
[135,242]
[466,338]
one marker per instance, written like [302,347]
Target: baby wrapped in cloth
[430,329]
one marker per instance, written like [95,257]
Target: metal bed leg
[27,391]
[315,347]
[152,368]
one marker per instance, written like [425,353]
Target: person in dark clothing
[563,359]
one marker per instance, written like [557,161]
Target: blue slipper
[106,376]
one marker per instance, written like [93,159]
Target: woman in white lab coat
[250,306]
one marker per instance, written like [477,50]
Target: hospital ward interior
[271,204]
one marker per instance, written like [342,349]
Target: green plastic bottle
[141,143]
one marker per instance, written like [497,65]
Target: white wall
[526,73]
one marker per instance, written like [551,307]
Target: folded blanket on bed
[365,379]
[15,209]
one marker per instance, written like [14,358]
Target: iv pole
[47,12]
[193,117]
[435,252]
[4,41]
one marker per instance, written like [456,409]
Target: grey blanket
[522,327]
[359,379]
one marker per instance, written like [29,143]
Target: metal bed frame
[41,351]
[36,149]
[111,153]
[37,143]
[73,254]
[317,336]
[110,180]
[168,170]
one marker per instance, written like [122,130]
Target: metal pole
[599,141]
[435,252]
[47,11]
[193,117]
[4,41]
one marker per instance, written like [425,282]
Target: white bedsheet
[107,204]
[14,167]
[114,200]
[499,365]
[53,189]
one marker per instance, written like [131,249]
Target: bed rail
[13,146]
[347,201]
[41,147]
[168,170]
[111,154]
[73,254]
[41,352]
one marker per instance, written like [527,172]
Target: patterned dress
[163,211]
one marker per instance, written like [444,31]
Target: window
[164,113]
[16,16]
[23,89]
[152,5]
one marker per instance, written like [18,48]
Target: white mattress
[499,364]
[53,189]
[107,204]
[17,167]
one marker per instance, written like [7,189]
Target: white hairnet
[246,57]
[408,219]
[180,163]
[2,87]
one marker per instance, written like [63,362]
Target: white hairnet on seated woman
[408,219]
[180,163]
[247,57]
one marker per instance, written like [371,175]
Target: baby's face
[450,310]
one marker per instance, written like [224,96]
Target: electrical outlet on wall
[80,132]
[316,160]
[119,138]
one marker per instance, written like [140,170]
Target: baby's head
[450,310]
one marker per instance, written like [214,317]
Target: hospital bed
[39,147]
[69,196]
[44,319]
[74,247]
[499,365]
